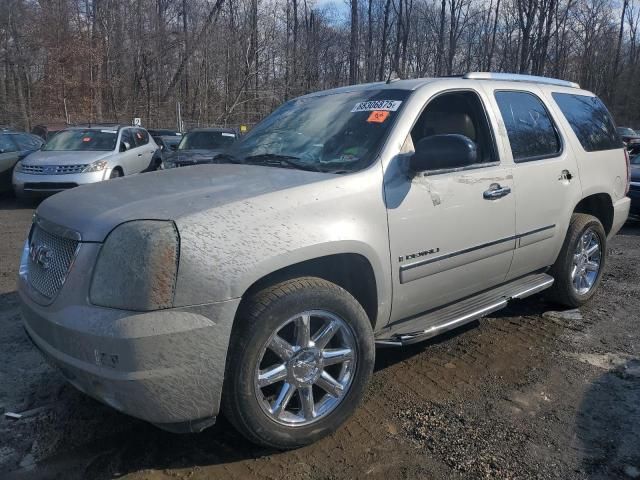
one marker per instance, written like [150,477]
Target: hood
[192,156]
[94,210]
[52,157]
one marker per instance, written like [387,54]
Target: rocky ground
[526,393]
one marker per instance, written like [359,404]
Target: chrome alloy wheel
[586,262]
[305,368]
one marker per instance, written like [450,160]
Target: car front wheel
[300,359]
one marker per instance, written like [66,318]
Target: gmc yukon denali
[371,215]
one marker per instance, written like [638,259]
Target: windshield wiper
[225,158]
[281,160]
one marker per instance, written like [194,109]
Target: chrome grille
[53,169]
[50,257]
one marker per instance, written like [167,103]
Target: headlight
[96,166]
[18,167]
[137,266]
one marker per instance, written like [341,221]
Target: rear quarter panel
[601,171]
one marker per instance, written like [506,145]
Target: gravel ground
[526,393]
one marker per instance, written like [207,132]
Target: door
[145,150]
[545,175]
[129,159]
[451,230]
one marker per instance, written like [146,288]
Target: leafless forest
[227,62]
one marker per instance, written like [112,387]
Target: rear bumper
[165,367]
[620,214]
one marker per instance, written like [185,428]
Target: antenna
[393,77]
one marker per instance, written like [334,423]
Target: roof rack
[514,77]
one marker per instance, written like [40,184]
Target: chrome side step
[446,318]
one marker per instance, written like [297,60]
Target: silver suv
[81,155]
[379,214]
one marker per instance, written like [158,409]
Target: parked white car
[82,155]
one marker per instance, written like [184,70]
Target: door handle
[139,154]
[565,175]
[496,191]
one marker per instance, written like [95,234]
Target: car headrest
[437,123]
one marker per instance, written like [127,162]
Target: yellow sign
[243,128]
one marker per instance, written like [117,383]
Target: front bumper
[25,184]
[165,367]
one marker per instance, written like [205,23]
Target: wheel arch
[352,271]
[600,206]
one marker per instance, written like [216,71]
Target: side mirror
[438,152]
[124,146]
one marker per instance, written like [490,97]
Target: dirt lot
[526,393]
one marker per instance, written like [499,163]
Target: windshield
[625,131]
[206,140]
[635,160]
[339,132]
[83,140]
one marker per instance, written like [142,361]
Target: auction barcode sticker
[371,105]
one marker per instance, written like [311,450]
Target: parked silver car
[81,155]
[379,214]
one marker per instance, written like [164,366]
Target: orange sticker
[378,116]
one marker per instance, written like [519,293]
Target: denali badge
[411,256]
[40,255]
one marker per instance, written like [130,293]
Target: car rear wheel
[578,268]
[301,356]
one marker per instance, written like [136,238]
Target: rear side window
[532,134]
[589,120]
[142,137]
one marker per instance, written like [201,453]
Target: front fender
[226,250]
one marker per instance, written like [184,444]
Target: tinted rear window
[590,121]
[531,131]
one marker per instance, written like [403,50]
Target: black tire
[563,291]
[115,173]
[258,319]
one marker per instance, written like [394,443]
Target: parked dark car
[167,143]
[201,145]
[14,146]
[164,132]
[47,131]
[631,138]
[634,189]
